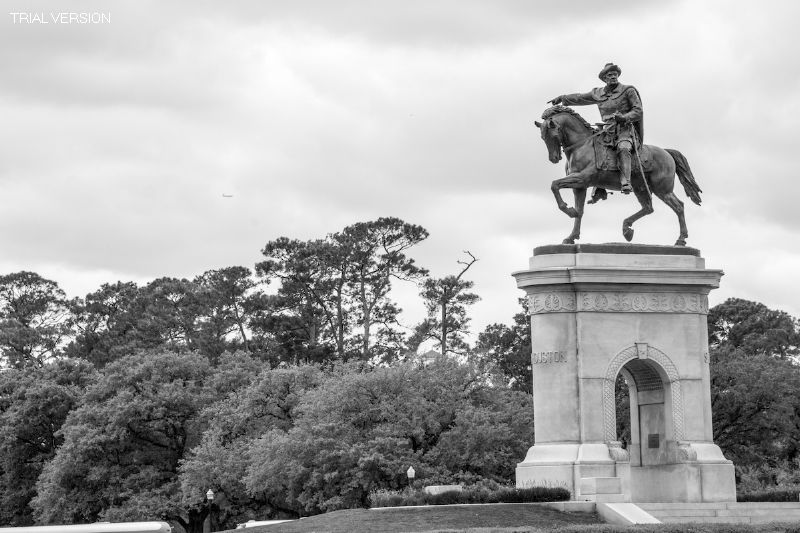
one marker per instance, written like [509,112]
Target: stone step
[706,519]
[776,518]
[682,512]
[654,506]
[795,513]
[722,505]
[731,512]
[766,505]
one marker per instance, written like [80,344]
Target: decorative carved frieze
[552,302]
[618,302]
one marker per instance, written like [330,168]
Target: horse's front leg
[580,199]
[570,181]
[647,207]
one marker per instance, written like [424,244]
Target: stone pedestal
[599,311]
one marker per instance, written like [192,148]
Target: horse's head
[551,135]
[561,128]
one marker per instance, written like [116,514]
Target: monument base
[590,473]
[639,312]
[587,470]
[683,483]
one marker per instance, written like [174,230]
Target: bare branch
[466,264]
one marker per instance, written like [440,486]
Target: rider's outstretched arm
[576,99]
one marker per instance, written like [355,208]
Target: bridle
[560,140]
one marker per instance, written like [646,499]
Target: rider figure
[621,109]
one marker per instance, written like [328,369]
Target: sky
[171,138]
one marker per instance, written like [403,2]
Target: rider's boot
[624,159]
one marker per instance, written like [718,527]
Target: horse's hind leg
[580,200]
[647,208]
[676,205]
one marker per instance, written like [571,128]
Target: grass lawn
[498,518]
[432,518]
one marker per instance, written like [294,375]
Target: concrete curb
[568,507]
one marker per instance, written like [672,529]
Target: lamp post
[212,518]
[410,473]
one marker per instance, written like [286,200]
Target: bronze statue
[621,109]
[590,163]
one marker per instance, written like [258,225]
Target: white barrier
[97,527]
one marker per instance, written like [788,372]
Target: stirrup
[626,188]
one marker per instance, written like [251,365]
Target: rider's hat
[608,68]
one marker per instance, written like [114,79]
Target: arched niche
[648,369]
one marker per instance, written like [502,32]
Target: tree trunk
[196,519]
[241,327]
[367,310]
[340,320]
[444,327]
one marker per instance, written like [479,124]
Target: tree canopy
[292,389]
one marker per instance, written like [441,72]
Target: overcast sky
[118,140]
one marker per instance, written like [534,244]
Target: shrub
[533,494]
[470,494]
[396,498]
[776,494]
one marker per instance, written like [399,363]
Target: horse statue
[564,129]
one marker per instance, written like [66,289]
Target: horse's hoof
[680,242]
[571,212]
[568,241]
[627,232]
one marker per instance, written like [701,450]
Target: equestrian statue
[613,156]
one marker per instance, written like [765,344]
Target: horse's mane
[550,111]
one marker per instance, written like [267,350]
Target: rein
[579,143]
[572,146]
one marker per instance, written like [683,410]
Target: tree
[34,319]
[211,314]
[106,322]
[34,402]
[446,300]
[363,426]
[169,311]
[227,302]
[754,379]
[124,442]
[332,287]
[221,460]
[754,400]
[377,254]
[509,349]
[120,319]
[312,288]
[753,328]
[488,437]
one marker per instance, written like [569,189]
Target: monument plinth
[598,311]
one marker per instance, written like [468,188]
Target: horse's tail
[685,176]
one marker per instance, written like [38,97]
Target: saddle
[605,156]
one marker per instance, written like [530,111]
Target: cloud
[317,114]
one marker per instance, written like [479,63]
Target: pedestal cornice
[617,278]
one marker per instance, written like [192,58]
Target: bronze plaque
[652,440]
